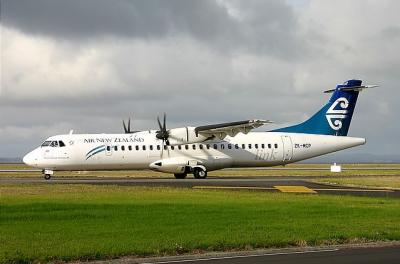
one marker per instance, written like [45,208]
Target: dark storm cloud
[264,27]
[150,18]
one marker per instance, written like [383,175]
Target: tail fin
[335,117]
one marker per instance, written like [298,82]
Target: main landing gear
[198,173]
[47,174]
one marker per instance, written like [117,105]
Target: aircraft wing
[231,129]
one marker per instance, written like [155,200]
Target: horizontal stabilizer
[352,88]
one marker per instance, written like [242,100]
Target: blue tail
[335,117]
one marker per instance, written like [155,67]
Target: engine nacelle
[175,165]
[184,135]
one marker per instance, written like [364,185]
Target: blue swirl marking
[95,150]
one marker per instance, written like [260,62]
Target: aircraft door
[287,148]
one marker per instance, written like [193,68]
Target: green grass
[391,182]
[40,223]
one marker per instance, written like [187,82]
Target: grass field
[391,182]
[72,222]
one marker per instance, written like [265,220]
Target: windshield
[46,143]
[53,143]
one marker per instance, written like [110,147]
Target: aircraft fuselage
[142,150]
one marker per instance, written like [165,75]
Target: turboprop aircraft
[201,149]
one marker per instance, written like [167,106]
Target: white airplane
[201,149]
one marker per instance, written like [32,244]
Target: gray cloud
[263,26]
[85,65]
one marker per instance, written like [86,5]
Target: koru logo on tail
[335,116]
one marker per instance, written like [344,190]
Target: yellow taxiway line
[234,187]
[294,189]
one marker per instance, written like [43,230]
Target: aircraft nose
[29,159]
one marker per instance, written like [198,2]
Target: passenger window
[123,148]
[137,147]
[151,147]
[130,148]
[158,147]
[263,145]
[144,147]
[256,146]
[172,147]
[208,146]
[201,146]
[269,146]
[222,146]
[179,147]
[165,147]
[249,146]
[61,144]
[276,145]
[116,148]
[194,146]
[229,146]
[243,146]
[186,146]
[215,146]
[108,148]
[236,146]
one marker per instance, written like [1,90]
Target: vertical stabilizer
[334,118]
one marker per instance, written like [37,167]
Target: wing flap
[232,129]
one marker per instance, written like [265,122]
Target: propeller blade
[129,125]
[165,125]
[125,129]
[159,123]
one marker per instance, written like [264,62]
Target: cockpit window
[53,144]
[46,143]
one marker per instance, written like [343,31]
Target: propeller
[127,128]
[163,133]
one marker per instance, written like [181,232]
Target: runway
[342,255]
[262,184]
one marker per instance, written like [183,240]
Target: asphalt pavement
[270,184]
[366,254]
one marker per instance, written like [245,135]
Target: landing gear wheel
[47,176]
[180,175]
[199,173]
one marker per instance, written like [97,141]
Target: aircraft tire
[199,173]
[180,175]
[47,176]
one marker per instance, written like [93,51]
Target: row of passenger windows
[194,147]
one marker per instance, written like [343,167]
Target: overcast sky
[87,64]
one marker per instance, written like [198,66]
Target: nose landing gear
[47,174]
